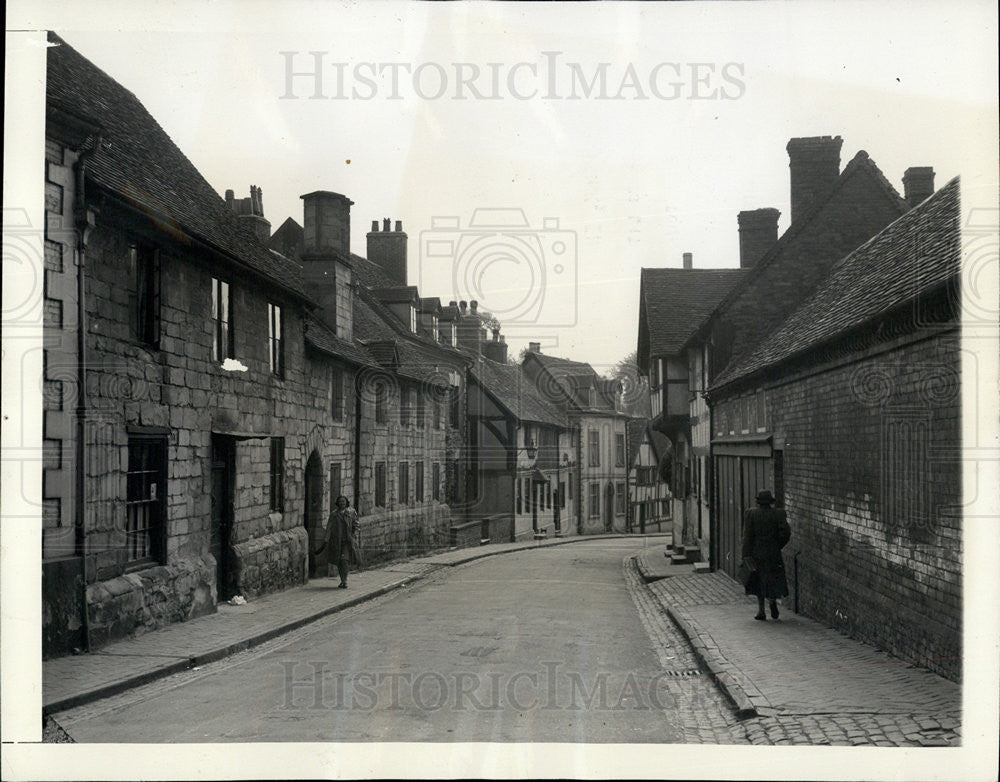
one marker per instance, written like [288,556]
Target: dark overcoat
[765,533]
[342,536]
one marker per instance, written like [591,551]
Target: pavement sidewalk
[74,680]
[795,681]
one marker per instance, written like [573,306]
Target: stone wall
[395,534]
[873,488]
[271,562]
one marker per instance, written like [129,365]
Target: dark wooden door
[738,480]
[314,521]
[223,480]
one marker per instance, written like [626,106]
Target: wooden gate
[741,471]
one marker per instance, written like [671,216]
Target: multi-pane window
[337,393]
[436,481]
[145,312]
[594,444]
[380,484]
[619,498]
[222,319]
[275,341]
[420,409]
[619,450]
[145,516]
[418,482]
[595,500]
[277,473]
[335,485]
[404,483]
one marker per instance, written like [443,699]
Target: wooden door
[223,482]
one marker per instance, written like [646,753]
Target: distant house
[649,478]
[853,403]
[592,406]
[521,446]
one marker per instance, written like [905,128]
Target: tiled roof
[321,338]
[675,301]
[514,390]
[860,162]
[139,163]
[918,252]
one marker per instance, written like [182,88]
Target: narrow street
[558,644]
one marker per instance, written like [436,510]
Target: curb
[715,662]
[219,653]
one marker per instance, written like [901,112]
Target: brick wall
[873,493]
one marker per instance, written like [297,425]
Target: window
[437,408]
[381,392]
[619,450]
[335,489]
[404,406]
[274,331]
[619,498]
[404,483]
[517,506]
[562,494]
[548,495]
[145,314]
[592,396]
[418,485]
[222,317]
[454,411]
[145,520]
[337,393]
[594,443]
[420,409]
[380,484]
[277,473]
[569,485]
[436,481]
[595,500]
[413,319]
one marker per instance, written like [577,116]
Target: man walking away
[765,533]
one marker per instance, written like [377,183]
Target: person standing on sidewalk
[765,533]
[342,538]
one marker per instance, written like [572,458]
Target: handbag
[746,570]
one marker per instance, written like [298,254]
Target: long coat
[765,533]
[342,536]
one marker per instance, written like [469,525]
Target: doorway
[609,507]
[314,514]
[223,485]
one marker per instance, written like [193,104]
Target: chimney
[452,303]
[474,306]
[918,184]
[250,211]
[534,347]
[758,233]
[387,249]
[326,223]
[815,166]
[497,349]
[688,260]
[463,305]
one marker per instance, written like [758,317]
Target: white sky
[638,182]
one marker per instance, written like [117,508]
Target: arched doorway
[609,507]
[313,516]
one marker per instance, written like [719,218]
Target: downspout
[357,444]
[82,225]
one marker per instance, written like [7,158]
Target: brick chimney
[387,248]
[251,212]
[326,254]
[918,184]
[688,260]
[534,347]
[758,233]
[815,166]
[496,350]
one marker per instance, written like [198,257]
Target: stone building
[853,405]
[592,406]
[181,403]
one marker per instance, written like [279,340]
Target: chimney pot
[374,226]
[688,259]
[474,305]
[534,347]
[399,225]
[758,233]
[496,334]
[452,303]
[918,184]
[814,164]
[463,305]
[386,223]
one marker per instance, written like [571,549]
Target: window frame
[436,481]
[144,260]
[155,548]
[619,449]
[403,486]
[223,331]
[619,498]
[337,395]
[418,481]
[593,447]
[379,487]
[277,474]
[594,511]
[275,339]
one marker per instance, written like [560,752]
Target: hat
[765,497]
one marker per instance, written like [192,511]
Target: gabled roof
[914,255]
[674,301]
[139,163]
[515,392]
[860,162]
